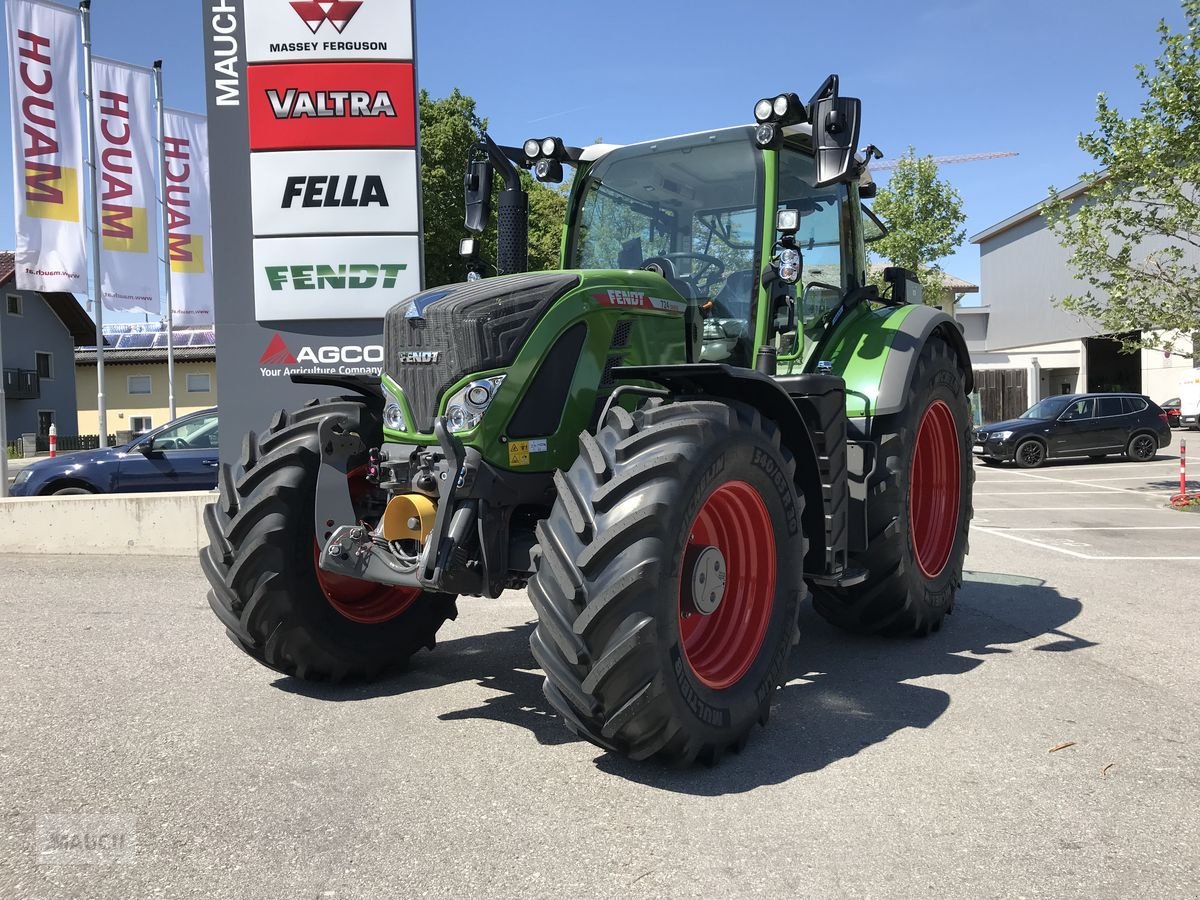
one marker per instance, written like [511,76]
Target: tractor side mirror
[477,185]
[905,286]
[836,122]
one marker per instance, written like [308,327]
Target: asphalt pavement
[141,755]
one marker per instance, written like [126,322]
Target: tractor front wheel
[918,508]
[261,562]
[669,580]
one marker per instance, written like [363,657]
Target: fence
[66,444]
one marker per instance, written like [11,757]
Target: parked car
[1092,425]
[179,456]
[1171,408]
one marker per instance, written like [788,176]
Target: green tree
[925,221]
[1134,234]
[449,126]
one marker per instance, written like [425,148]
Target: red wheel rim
[933,490]
[721,647]
[365,602]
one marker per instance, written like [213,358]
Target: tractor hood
[436,338]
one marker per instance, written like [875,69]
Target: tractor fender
[877,355]
[769,398]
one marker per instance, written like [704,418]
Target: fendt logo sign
[334,277]
[336,191]
[326,30]
[278,360]
[331,106]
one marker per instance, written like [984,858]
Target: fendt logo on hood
[278,360]
[337,13]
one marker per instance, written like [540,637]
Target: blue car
[179,456]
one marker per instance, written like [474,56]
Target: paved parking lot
[889,769]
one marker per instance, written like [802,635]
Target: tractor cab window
[824,217]
[688,208]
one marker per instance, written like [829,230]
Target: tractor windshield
[688,207]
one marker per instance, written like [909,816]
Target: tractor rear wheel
[669,580]
[918,508]
[267,590]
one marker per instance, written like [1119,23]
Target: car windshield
[1050,408]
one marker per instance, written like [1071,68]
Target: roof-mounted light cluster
[774,114]
[545,157]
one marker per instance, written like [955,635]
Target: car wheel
[1030,454]
[63,492]
[1142,447]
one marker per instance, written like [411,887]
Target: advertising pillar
[313,135]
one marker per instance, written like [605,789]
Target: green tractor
[706,416]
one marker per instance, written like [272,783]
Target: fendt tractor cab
[706,415]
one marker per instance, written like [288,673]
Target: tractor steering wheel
[702,279]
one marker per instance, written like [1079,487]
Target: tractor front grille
[436,338]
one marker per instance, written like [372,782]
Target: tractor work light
[762,110]
[467,247]
[465,409]
[768,135]
[393,414]
[789,265]
[544,148]
[548,171]
[550,147]
[531,148]
[787,221]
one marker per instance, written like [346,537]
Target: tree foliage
[1134,235]
[449,126]
[925,221]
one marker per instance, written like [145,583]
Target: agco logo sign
[324,359]
[337,13]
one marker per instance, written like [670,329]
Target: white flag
[43,69]
[124,119]
[189,222]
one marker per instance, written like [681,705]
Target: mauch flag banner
[124,118]
[189,222]
[43,71]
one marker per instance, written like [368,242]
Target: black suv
[1092,425]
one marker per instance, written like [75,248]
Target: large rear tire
[261,562]
[919,508]
[640,656]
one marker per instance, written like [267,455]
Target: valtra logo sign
[334,105]
[278,360]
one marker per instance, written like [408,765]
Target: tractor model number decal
[639,300]
[518,453]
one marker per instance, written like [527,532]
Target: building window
[14,304]
[199,383]
[45,364]
[140,384]
[140,424]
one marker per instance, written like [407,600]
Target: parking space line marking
[1077,555]
[1105,528]
[1115,490]
[1069,508]
[1040,493]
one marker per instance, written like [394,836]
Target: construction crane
[884,165]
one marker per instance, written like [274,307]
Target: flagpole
[85,14]
[3,422]
[166,241]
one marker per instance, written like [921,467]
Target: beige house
[135,386]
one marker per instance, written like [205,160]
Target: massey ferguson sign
[316,197]
[328,30]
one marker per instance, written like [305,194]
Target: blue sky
[947,76]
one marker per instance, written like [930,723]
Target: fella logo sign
[339,105]
[334,192]
[326,30]
[278,360]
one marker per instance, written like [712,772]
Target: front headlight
[23,476]
[465,409]
[393,412]
[1002,435]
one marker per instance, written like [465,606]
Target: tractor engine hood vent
[436,338]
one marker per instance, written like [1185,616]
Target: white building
[1024,347]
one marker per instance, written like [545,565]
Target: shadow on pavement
[847,692]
